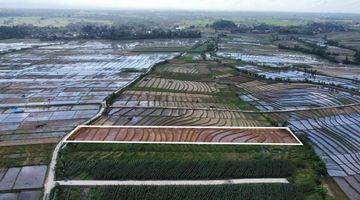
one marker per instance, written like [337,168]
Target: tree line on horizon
[94,31]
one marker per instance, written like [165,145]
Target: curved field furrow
[226,136]
[210,135]
[179,85]
[326,146]
[281,96]
[335,142]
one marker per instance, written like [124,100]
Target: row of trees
[92,31]
[311,28]
[129,32]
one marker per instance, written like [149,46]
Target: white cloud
[254,5]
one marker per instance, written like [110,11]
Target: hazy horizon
[313,6]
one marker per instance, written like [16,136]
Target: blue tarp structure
[16,110]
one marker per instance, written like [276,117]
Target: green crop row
[221,192]
[177,169]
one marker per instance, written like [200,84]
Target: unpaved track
[172,182]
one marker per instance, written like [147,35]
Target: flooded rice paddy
[45,91]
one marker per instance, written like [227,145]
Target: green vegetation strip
[16,156]
[160,162]
[207,46]
[253,192]
[177,169]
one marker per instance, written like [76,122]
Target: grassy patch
[229,96]
[16,156]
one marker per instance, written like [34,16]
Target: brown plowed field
[184,135]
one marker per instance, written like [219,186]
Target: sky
[341,6]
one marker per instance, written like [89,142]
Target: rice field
[306,102]
[84,82]
[204,94]
[178,85]
[26,125]
[331,126]
[180,117]
[347,81]
[178,135]
[25,194]
[25,155]
[329,117]
[350,39]
[170,45]
[347,72]
[259,49]
[284,96]
[278,60]
[22,170]
[19,178]
[135,98]
[193,66]
[48,90]
[334,133]
[285,64]
[7,46]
